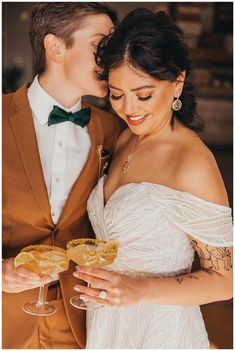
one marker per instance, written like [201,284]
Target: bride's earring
[177,104]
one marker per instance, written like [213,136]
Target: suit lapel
[24,132]
[77,200]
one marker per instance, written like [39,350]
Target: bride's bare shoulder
[198,172]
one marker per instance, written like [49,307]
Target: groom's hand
[18,279]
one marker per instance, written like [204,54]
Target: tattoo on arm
[180,278]
[219,255]
[216,256]
[207,270]
[184,274]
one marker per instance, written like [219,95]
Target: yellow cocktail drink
[43,260]
[92,252]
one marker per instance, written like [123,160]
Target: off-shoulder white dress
[152,223]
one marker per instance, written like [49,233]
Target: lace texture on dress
[152,223]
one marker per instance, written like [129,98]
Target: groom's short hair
[61,19]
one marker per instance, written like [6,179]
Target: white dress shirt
[63,147]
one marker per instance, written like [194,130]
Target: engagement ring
[103,294]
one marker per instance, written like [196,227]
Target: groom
[53,156]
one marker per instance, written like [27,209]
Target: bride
[163,199]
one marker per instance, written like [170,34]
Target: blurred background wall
[208,28]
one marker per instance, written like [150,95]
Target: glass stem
[40,301]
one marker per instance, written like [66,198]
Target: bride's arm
[213,282]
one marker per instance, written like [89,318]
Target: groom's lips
[135,120]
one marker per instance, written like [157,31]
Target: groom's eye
[115,97]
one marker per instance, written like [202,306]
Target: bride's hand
[109,288]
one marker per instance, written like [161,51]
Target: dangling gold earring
[177,104]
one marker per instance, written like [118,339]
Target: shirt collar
[42,103]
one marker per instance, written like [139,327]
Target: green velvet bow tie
[58,115]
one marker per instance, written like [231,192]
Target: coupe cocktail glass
[92,253]
[44,260]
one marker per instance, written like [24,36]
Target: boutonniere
[103,159]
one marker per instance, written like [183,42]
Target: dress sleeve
[206,221]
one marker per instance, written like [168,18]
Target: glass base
[33,308]
[84,305]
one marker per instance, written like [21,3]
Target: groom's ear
[54,48]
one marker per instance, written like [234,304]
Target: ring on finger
[103,294]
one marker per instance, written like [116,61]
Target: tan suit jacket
[26,209]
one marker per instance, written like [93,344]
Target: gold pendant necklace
[127,164]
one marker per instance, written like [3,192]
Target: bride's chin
[137,130]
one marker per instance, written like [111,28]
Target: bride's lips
[135,120]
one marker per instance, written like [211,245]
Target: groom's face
[79,61]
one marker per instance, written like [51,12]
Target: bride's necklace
[127,164]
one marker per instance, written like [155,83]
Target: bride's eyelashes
[141,98]
[144,98]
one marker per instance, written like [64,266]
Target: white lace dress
[151,222]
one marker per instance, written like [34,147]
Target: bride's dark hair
[152,43]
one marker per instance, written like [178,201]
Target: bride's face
[143,102]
